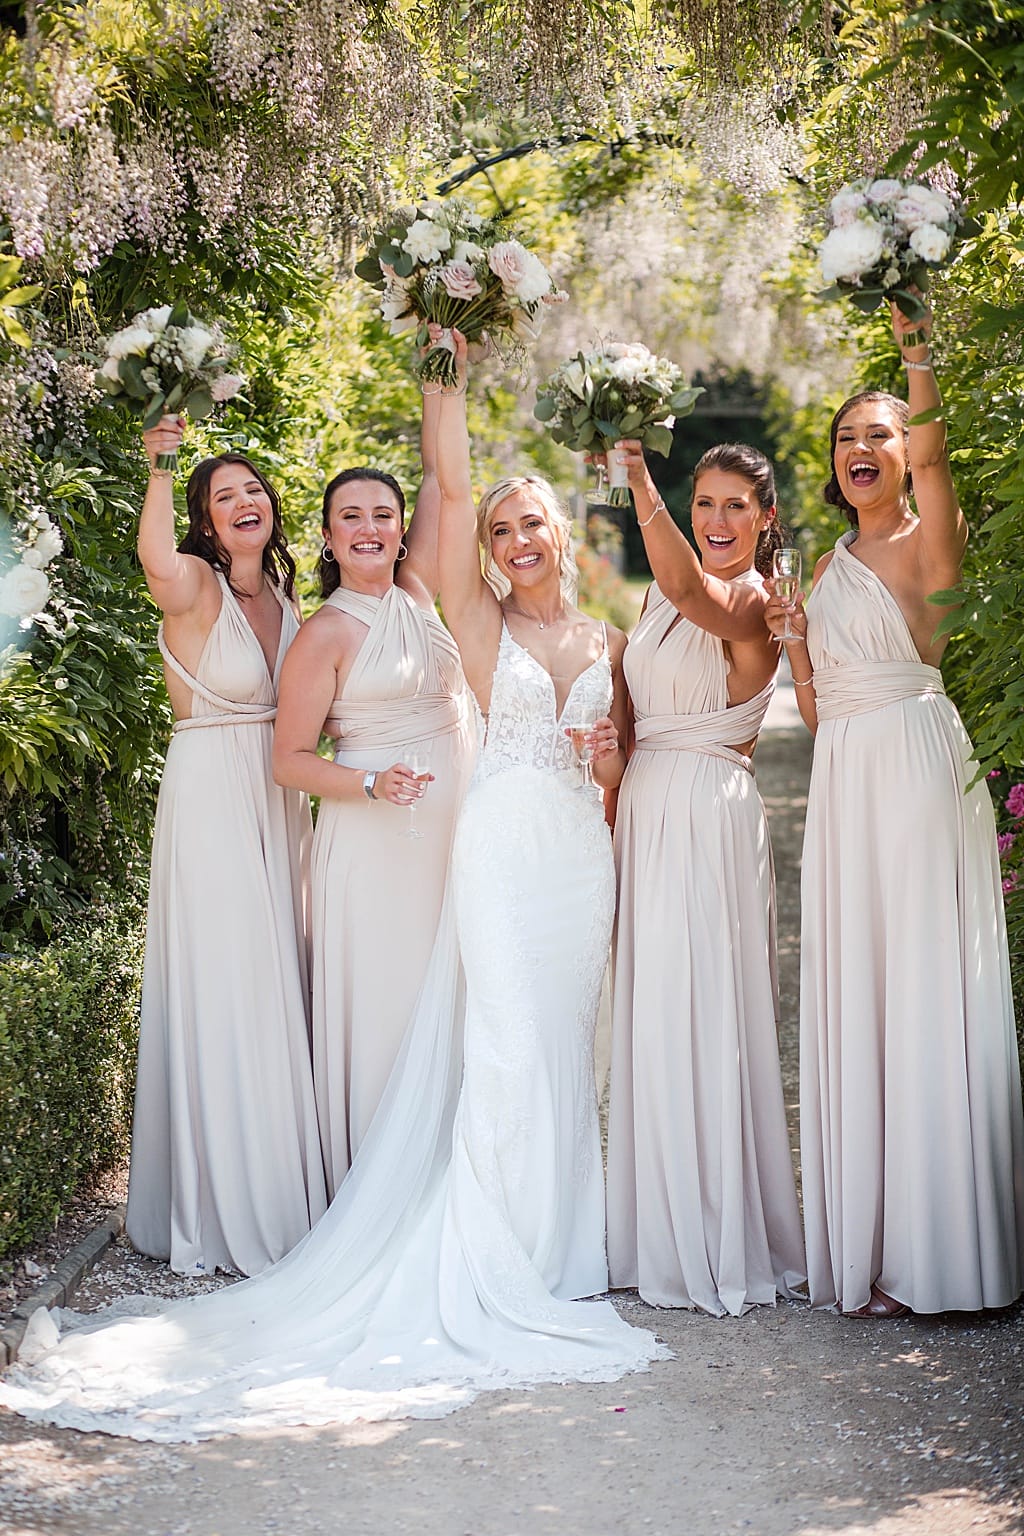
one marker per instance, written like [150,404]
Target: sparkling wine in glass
[786,568]
[579,727]
[417,758]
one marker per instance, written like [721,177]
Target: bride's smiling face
[525,547]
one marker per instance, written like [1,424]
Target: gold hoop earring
[327,555]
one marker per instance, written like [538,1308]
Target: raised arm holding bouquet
[619,390]
[442,264]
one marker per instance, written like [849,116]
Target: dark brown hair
[201,538]
[900,410]
[330,576]
[751,465]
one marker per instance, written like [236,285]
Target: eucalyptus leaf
[545,408]
[867,300]
[199,403]
[659,440]
[154,411]
[909,304]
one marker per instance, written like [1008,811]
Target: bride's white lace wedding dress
[451,1259]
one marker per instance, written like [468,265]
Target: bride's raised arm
[471,607]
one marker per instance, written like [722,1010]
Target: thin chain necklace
[540,623]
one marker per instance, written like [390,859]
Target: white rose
[887,190]
[466,250]
[133,341]
[930,242]
[194,345]
[628,369]
[48,545]
[23,592]
[425,240]
[851,251]
[920,205]
[459,280]
[845,208]
[573,378]
[156,319]
[33,558]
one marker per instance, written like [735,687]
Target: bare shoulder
[327,633]
[822,565]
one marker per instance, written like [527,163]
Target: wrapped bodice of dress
[522,729]
[406,682]
[232,683]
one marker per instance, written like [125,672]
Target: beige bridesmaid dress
[377,892]
[702,1208]
[226,1170]
[912,1139]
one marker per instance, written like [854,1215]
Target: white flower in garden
[467,250]
[34,558]
[460,281]
[426,241]
[922,205]
[194,345]
[886,190]
[48,542]
[845,207]
[23,592]
[226,386]
[133,341]
[849,252]
[930,242]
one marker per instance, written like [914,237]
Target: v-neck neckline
[270,671]
[559,714]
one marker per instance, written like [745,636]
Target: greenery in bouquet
[165,362]
[620,390]
[443,263]
[885,238]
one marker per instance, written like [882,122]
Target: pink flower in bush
[1015,801]
[1010,883]
[1004,842]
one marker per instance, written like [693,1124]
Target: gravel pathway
[780,1422]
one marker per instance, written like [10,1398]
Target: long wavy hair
[201,538]
[330,575]
[555,515]
[900,410]
[753,467]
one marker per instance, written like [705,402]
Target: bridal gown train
[702,1208]
[226,1170]
[451,1258]
[912,1138]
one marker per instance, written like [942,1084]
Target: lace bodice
[521,729]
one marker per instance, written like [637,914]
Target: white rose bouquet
[166,361]
[885,238]
[443,263]
[620,390]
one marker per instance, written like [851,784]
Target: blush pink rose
[460,280]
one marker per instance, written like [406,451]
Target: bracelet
[460,391]
[161,474]
[805,684]
[923,366]
[658,507]
[435,391]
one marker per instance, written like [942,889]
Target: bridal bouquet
[885,238]
[619,390]
[167,361]
[444,263]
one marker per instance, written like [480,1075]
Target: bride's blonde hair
[555,515]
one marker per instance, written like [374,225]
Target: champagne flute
[579,726]
[597,495]
[786,568]
[417,758]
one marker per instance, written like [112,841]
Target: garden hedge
[68,1037]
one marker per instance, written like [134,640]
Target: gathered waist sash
[392,724]
[707,732]
[862,686]
[229,711]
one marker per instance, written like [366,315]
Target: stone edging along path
[59,1287]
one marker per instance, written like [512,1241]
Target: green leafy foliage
[68,1035]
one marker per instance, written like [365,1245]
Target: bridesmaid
[702,1208]
[375,667]
[226,1169]
[911,1127]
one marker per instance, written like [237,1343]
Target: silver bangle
[659,507]
[806,683]
[922,366]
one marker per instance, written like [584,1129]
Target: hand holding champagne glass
[786,570]
[417,759]
[579,727]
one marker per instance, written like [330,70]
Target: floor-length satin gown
[376,892]
[226,1170]
[912,1139]
[447,1262]
[702,1208]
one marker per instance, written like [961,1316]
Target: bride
[453,1256]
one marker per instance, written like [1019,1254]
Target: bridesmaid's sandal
[880,1305]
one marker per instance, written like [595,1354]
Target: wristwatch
[369,780]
